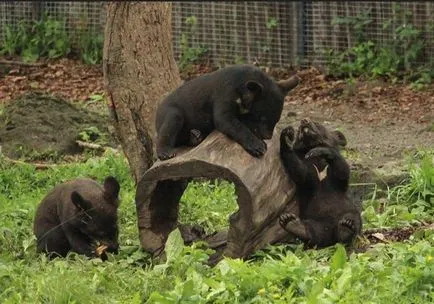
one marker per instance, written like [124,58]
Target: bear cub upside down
[321,175]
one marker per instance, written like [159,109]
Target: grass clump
[409,203]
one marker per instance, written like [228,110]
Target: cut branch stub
[261,184]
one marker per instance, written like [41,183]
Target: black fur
[321,175]
[78,215]
[240,101]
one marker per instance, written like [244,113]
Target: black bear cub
[81,216]
[321,176]
[240,101]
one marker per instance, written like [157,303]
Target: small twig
[84,144]
[38,166]
[42,166]
[94,146]
[12,62]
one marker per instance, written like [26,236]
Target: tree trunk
[139,70]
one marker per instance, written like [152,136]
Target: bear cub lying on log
[240,101]
[80,216]
[321,176]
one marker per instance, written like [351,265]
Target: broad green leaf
[224,267]
[188,290]
[339,258]
[174,246]
[157,298]
[317,288]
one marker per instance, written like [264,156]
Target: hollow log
[263,189]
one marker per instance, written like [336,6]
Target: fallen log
[263,189]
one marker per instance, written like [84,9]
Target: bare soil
[396,234]
[37,126]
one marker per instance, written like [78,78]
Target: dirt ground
[38,126]
[382,121]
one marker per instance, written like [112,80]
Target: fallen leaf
[379,236]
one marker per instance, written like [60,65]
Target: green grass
[409,203]
[396,272]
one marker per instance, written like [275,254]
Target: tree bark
[262,186]
[139,70]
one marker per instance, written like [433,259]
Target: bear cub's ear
[288,84]
[111,188]
[340,138]
[79,201]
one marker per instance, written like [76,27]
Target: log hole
[261,185]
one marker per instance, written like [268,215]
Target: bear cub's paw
[318,152]
[195,137]
[166,154]
[287,137]
[286,218]
[257,147]
[348,223]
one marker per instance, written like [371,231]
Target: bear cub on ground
[80,216]
[321,176]
[240,101]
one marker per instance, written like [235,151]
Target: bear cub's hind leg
[348,227]
[292,224]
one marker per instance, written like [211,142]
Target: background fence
[271,33]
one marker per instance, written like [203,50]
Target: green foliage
[12,40]
[97,97]
[399,56]
[209,204]
[91,47]
[418,191]
[357,23]
[239,60]
[92,134]
[42,38]
[190,54]
[272,23]
[411,202]
[385,274]
[48,38]
[400,272]
[265,45]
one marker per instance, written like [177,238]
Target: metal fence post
[301,41]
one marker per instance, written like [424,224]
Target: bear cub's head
[96,215]
[311,134]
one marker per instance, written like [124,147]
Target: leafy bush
[43,38]
[399,57]
[48,38]
[411,202]
[91,47]
[189,54]
[418,191]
